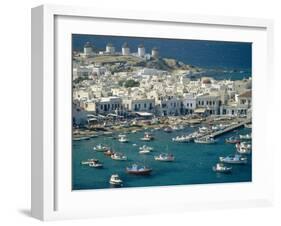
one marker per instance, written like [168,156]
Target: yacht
[115,180]
[221,168]
[165,157]
[138,170]
[236,159]
[119,157]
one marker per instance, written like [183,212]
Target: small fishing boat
[144,151]
[145,147]
[221,168]
[243,148]
[165,157]
[119,156]
[134,131]
[182,139]
[147,137]
[205,140]
[95,164]
[168,130]
[245,137]
[81,138]
[88,161]
[123,139]
[100,148]
[109,152]
[236,159]
[115,180]
[138,170]
[232,140]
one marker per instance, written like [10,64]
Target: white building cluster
[157,92]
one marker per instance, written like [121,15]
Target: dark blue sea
[219,59]
[193,162]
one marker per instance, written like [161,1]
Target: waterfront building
[210,102]
[155,52]
[110,49]
[88,49]
[141,50]
[125,49]
[169,105]
[106,105]
[189,103]
[139,105]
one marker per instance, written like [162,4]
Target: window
[144,105]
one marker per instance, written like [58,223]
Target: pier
[227,129]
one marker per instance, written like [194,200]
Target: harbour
[193,162]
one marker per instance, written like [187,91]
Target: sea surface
[219,59]
[193,162]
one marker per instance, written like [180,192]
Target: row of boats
[243,146]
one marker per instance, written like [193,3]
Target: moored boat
[205,140]
[245,137]
[88,161]
[138,170]
[95,164]
[232,140]
[221,168]
[115,180]
[165,157]
[119,156]
[109,152]
[100,148]
[236,159]
[147,137]
[182,139]
[123,139]
[168,130]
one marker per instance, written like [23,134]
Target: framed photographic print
[138,112]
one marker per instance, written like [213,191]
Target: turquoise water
[193,162]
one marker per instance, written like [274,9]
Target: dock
[227,129]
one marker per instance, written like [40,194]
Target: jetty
[227,129]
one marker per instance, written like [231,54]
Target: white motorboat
[88,161]
[123,139]
[245,137]
[100,148]
[147,137]
[144,151]
[145,147]
[95,165]
[236,159]
[205,140]
[243,148]
[165,157]
[182,139]
[115,180]
[119,157]
[221,168]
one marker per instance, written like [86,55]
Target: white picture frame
[51,197]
